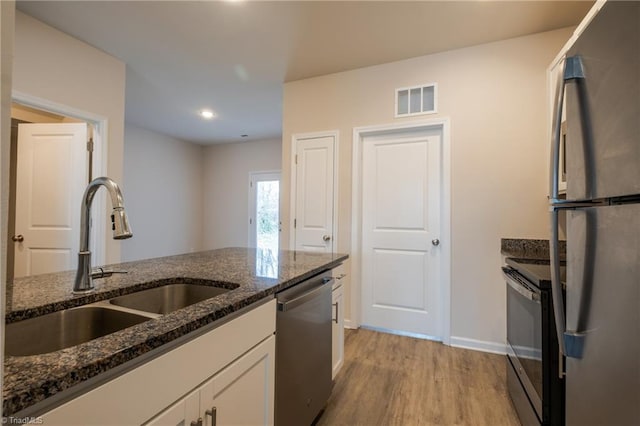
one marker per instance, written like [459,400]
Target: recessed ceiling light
[207,114]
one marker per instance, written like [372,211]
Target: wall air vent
[416,100]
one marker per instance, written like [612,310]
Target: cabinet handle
[336,318]
[198,423]
[213,413]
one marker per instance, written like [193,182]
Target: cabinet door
[182,413]
[337,354]
[242,393]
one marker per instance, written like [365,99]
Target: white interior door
[314,211]
[400,232]
[50,180]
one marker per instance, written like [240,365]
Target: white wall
[495,96]
[182,197]
[7,9]
[51,65]
[163,188]
[226,188]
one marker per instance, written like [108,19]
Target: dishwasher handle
[287,305]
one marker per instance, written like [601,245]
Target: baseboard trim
[349,324]
[456,342]
[478,345]
[403,333]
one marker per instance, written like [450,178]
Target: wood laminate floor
[395,380]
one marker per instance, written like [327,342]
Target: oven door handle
[527,293]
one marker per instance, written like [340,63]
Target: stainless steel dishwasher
[303,351]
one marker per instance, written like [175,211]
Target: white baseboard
[403,333]
[349,324]
[458,342]
[478,345]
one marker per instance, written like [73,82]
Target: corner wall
[226,188]
[163,190]
[496,99]
[7,13]
[51,65]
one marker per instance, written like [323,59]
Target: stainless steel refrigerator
[600,334]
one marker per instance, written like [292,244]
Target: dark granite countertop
[31,379]
[524,248]
[530,257]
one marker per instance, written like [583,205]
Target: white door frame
[293,198]
[359,133]
[100,147]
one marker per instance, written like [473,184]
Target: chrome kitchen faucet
[120,225]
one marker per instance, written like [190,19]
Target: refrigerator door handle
[556,285]
[571,68]
[571,342]
[554,172]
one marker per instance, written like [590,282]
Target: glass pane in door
[267,215]
[267,227]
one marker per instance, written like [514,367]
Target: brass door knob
[17,238]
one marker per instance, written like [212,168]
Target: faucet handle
[101,273]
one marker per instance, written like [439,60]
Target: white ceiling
[233,57]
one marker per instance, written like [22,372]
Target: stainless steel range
[534,368]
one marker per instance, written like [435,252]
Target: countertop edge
[527,248]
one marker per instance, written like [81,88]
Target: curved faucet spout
[120,225]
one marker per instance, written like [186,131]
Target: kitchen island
[253,277]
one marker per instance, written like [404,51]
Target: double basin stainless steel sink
[71,327]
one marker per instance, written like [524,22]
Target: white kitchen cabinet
[337,300]
[167,390]
[180,412]
[241,394]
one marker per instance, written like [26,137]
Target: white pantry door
[400,232]
[314,215]
[50,180]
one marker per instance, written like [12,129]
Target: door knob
[326,237]
[435,242]
[17,238]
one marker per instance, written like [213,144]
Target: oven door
[524,335]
